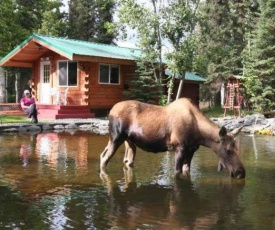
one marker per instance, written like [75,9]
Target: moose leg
[130,153]
[179,159]
[183,158]
[109,152]
[188,158]
[187,163]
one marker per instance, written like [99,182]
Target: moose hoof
[185,169]
[129,164]
[103,166]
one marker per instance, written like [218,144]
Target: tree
[260,69]
[157,24]
[54,22]
[147,24]
[142,86]
[105,14]
[87,20]
[224,34]
[11,34]
[179,28]
[217,38]
[30,13]
[20,19]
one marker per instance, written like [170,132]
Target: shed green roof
[188,76]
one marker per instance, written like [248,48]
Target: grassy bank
[216,111]
[13,119]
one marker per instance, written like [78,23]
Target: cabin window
[108,74]
[67,73]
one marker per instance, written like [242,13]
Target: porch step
[63,111]
[83,115]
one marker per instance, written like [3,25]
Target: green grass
[17,119]
[13,119]
[217,111]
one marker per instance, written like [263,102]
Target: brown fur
[180,127]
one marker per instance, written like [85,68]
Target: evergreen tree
[11,31]
[11,34]
[21,18]
[260,69]
[87,19]
[30,13]
[142,86]
[224,36]
[81,19]
[105,9]
[216,37]
[54,22]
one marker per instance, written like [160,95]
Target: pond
[52,181]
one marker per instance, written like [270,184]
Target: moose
[179,127]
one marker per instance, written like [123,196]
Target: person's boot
[34,120]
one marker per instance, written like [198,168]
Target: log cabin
[74,78]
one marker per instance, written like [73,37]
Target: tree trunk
[180,85]
[17,87]
[3,95]
[170,89]
[222,94]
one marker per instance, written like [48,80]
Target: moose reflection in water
[179,127]
[176,202]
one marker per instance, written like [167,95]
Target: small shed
[233,95]
[191,86]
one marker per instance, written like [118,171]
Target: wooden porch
[47,111]
[63,111]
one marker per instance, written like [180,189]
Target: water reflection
[52,181]
[178,206]
[54,149]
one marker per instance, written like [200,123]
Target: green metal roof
[70,47]
[77,47]
[188,76]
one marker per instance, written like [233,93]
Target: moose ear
[236,131]
[223,132]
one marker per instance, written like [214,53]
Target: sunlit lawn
[218,111]
[13,119]
[4,119]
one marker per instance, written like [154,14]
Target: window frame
[109,74]
[67,73]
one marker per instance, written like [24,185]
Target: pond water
[52,181]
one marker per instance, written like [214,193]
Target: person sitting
[28,106]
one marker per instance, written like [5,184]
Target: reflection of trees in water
[15,212]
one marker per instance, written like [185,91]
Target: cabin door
[45,85]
